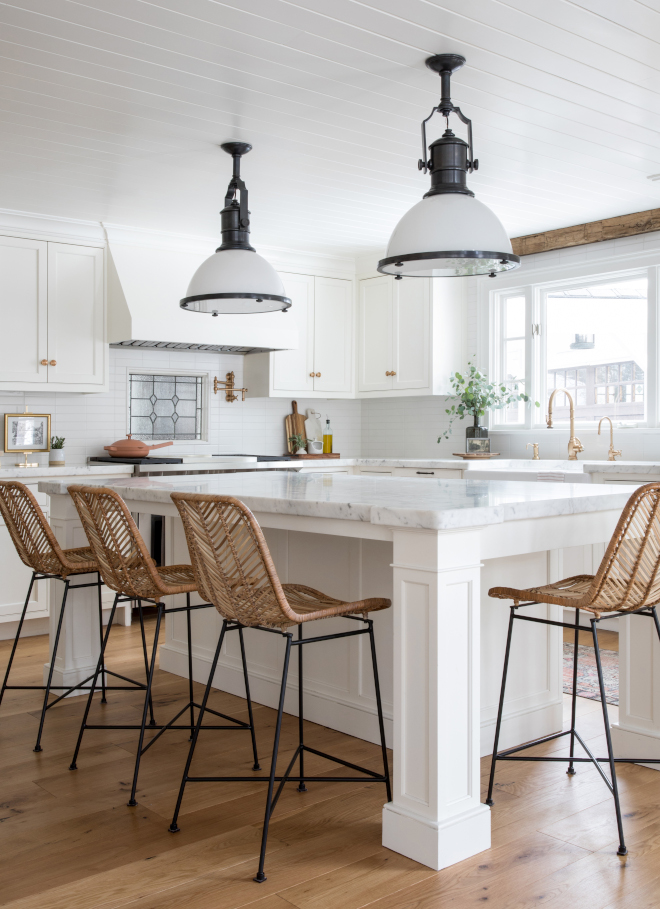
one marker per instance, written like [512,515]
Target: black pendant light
[449,233]
[235,279]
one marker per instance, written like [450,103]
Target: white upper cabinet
[23,307]
[53,316]
[293,370]
[333,323]
[76,348]
[323,362]
[410,335]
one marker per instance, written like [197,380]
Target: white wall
[256,426]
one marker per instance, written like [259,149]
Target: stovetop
[258,457]
[109,460]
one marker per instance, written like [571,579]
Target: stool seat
[168,580]
[75,561]
[309,605]
[579,592]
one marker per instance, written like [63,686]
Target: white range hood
[147,276]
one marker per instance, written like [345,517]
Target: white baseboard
[31,628]
[352,719]
[530,723]
[632,744]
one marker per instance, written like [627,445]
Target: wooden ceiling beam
[641,222]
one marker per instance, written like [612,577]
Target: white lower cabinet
[52,307]
[410,335]
[322,309]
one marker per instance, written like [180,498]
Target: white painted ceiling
[113,110]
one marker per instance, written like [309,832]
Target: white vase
[56,457]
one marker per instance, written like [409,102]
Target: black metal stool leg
[147,700]
[152,721]
[498,725]
[190,668]
[249,702]
[104,700]
[655,619]
[51,669]
[73,765]
[571,768]
[174,828]
[261,877]
[18,634]
[615,789]
[301,784]
[379,704]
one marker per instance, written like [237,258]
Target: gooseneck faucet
[613,452]
[574,444]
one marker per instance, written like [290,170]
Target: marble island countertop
[399,502]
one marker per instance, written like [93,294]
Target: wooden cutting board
[294,424]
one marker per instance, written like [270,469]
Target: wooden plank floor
[68,840]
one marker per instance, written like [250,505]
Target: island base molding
[437,844]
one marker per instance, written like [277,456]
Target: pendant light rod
[445,65]
[235,216]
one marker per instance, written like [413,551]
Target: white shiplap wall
[256,426]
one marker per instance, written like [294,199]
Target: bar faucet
[574,444]
[613,452]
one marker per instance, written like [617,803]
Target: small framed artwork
[27,432]
[482,446]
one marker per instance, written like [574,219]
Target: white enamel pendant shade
[235,281]
[448,235]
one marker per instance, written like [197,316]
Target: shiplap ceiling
[113,110]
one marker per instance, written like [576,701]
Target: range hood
[147,276]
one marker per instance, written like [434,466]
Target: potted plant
[298,444]
[56,454]
[473,395]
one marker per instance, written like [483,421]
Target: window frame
[204,375]
[535,285]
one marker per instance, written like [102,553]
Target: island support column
[435,815]
[637,734]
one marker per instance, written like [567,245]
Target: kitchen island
[435,548]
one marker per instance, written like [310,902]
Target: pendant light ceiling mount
[235,279]
[449,233]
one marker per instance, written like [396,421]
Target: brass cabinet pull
[318,375]
[44,362]
[53,363]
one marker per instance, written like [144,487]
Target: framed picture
[27,432]
[477,445]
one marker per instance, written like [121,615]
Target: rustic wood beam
[641,222]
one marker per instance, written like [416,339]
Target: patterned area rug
[587,683]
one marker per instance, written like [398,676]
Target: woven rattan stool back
[230,558]
[30,532]
[124,561]
[628,577]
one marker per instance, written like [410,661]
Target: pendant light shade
[449,233]
[235,279]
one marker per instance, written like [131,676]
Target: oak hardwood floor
[68,840]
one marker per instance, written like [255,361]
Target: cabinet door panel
[76,332]
[412,329]
[292,368]
[333,312]
[23,306]
[375,332]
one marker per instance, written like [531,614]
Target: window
[165,407]
[590,338]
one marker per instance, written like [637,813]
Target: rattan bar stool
[38,549]
[627,583]
[234,570]
[127,568]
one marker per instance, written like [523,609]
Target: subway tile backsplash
[256,426]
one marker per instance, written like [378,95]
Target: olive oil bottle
[327,438]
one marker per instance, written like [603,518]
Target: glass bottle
[327,438]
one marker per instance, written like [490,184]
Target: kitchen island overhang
[435,548]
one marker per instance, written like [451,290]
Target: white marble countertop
[399,501]
[17,473]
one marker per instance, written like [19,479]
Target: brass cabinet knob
[44,362]
[318,375]
[53,363]
[311,375]
[392,373]
[388,373]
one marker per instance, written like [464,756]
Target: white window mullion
[653,378]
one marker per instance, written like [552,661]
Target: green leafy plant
[298,443]
[474,394]
[57,441]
